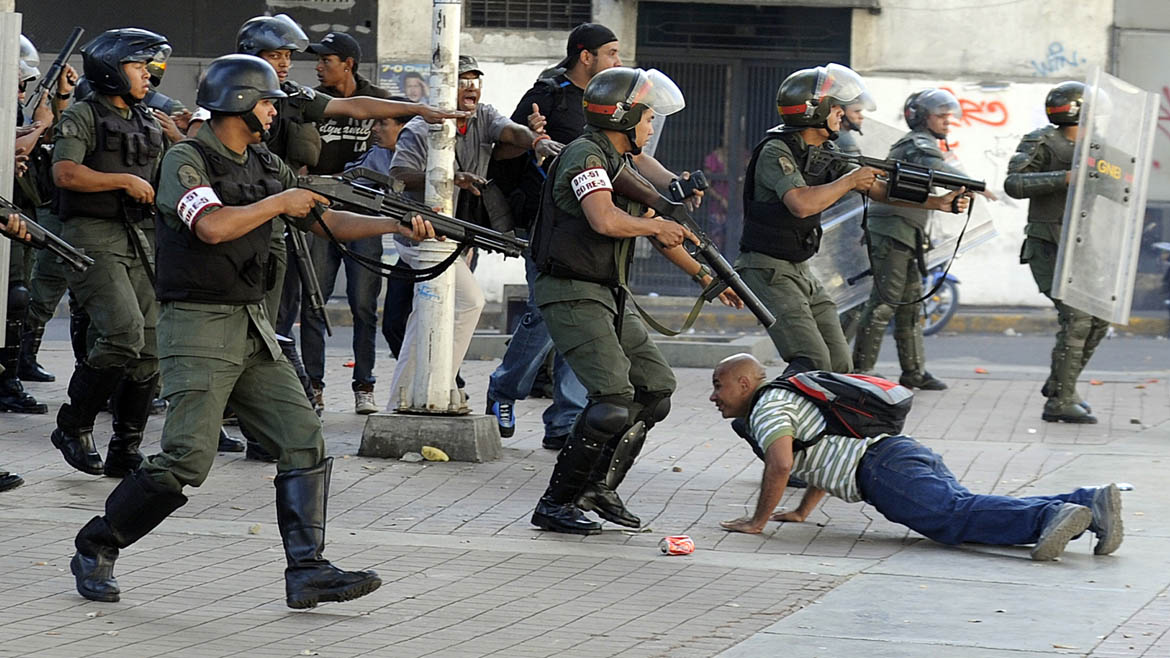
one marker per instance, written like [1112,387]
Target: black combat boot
[131,407]
[30,344]
[89,388]
[9,480]
[301,497]
[228,443]
[135,507]
[600,493]
[557,510]
[13,397]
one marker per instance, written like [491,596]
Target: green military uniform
[211,354]
[1037,172]
[116,290]
[806,317]
[580,314]
[896,237]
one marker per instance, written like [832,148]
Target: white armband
[194,202]
[589,181]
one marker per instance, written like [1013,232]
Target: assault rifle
[906,181]
[630,184]
[49,80]
[347,190]
[41,238]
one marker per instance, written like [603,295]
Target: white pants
[469,304]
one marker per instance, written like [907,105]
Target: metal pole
[432,389]
[10,43]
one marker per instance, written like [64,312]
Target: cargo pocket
[183,378]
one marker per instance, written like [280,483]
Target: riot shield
[1096,263]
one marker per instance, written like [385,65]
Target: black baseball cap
[340,44]
[586,36]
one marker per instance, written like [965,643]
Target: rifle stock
[632,185]
[41,238]
[49,81]
[373,201]
[308,276]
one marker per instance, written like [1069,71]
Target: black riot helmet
[805,98]
[278,32]
[233,84]
[616,98]
[29,60]
[1063,103]
[925,103]
[104,56]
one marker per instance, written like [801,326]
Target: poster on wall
[407,79]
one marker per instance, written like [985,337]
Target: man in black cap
[554,106]
[477,138]
[343,140]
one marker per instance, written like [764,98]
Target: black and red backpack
[852,405]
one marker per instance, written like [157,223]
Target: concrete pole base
[471,438]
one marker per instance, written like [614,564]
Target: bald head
[733,383]
[742,365]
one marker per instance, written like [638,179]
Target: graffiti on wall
[1057,60]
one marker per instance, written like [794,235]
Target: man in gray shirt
[475,140]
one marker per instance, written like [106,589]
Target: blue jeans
[530,345]
[909,484]
[362,288]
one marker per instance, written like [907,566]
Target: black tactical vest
[124,146]
[769,227]
[289,110]
[235,272]
[1049,208]
[566,246]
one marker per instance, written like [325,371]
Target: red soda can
[677,545]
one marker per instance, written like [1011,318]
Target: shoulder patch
[189,176]
[593,161]
[68,128]
[787,165]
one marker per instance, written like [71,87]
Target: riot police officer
[580,245]
[897,241]
[108,147]
[783,202]
[13,397]
[217,194]
[1039,171]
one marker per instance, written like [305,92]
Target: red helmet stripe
[600,109]
[793,109]
[1060,108]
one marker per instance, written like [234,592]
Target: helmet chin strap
[632,136]
[254,124]
[851,126]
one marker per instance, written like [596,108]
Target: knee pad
[602,420]
[655,408]
[18,300]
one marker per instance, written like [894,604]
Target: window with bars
[528,14]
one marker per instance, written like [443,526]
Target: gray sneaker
[1107,523]
[1070,521]
[364,403]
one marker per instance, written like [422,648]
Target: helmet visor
[657,91]
[29,59]
[156,60]
[841,85]
[288,32]
[939,101]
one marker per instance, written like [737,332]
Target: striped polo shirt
[830,464]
